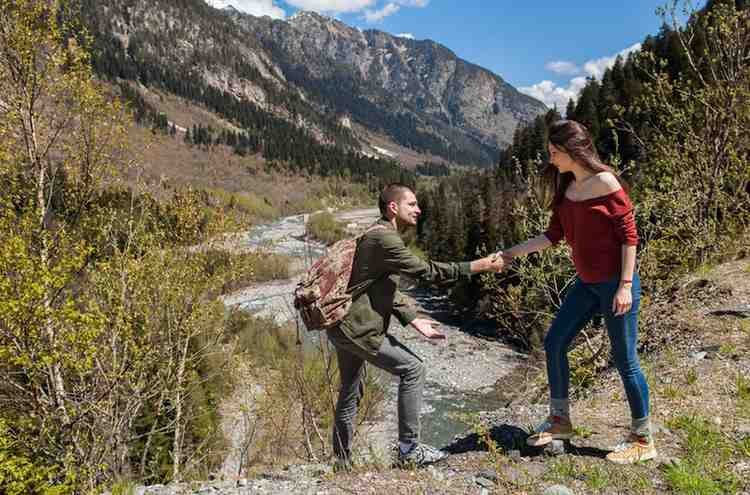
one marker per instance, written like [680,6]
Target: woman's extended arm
[533,245]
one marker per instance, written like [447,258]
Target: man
[362,335]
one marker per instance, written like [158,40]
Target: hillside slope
[698,371]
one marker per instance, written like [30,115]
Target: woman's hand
[623,300]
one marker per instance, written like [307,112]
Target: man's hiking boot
[634,449]
[554,428]
[342,465]
[420,455]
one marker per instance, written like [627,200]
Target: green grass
[706,468]
[582,376]
[242,270]
[597,478]
[691,378]
[582,431]
[671,392]
[742,396]
[324,227]
[123,488]
[728,350]
[743,388]
[247,203]
[563,468]
[743,447]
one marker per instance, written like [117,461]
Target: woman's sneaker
[554,428]
[420,455]
[634,449]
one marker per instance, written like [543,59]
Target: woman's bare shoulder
[604,183]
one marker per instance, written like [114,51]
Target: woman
[593,213]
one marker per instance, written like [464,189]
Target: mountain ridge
[314,71]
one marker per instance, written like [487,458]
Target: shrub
[298,383]
[324,227]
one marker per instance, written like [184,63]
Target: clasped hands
[497,262]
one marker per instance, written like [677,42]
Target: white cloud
[552,95]
[563,67]
[408,36]
[253,7]
[377,15]
[332,6]
[372,10]
[413,3]
[597,67]
[380,14]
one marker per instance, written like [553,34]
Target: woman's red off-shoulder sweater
[596,230]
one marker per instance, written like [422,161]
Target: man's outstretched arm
[398,259]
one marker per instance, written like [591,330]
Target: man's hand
[491,263]
[497,262]
[426,327]
[507,256]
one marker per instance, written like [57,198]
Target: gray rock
[670,461]
[514,455]
[558,490]
[743,431]
[555,448]
[437,475]
[488,474]
[660,428]
[739,311]
[484,482]
[697,356]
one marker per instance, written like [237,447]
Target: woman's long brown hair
[573,138]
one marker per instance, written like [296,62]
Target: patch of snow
[384,151]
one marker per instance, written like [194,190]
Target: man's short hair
[391,192]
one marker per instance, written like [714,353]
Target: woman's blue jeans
[581,303]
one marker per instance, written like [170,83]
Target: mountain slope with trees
[673,119]
[312,72]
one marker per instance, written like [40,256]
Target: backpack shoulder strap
[374,226]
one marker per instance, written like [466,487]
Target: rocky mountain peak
[418,94]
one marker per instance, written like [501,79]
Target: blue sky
[545,48]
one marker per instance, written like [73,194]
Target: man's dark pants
[392,357]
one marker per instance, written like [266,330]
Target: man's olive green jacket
[380,259]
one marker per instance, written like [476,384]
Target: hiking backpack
[321,296]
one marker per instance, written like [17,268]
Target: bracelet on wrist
[626,281]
